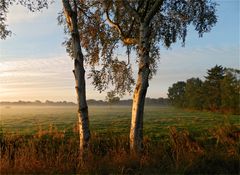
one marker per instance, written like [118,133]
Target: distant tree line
[149,101]
[219,92]
[112,98]
[38,102]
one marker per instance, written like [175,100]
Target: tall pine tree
[212,88]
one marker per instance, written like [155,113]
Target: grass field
[116,119]
[176,141]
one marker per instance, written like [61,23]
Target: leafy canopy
[167,21]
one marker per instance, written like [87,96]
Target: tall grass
[55,152]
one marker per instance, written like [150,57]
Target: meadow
[44,139]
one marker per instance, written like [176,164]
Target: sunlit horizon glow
[34,65]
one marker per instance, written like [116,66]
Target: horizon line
[44,101]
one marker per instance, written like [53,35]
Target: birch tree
[143,26]
[86,30]
[71,10]
[89,33]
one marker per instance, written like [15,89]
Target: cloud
[36,75]
[42,65]
[42,78]
[51,78]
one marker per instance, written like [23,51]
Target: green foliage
[176,94]
[219,92]
[99,42]
[230,88]
[112,98]
[193,93]
[212,88]
[166,21]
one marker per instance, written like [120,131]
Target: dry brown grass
[55,152]
[185,149]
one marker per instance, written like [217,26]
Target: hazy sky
[34,65]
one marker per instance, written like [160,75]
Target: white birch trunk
[79,74]
[136,131]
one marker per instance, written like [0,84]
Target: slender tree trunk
[84,132]
[136,132]
[79,74]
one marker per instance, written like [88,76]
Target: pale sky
[34,65]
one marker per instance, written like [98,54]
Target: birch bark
[136,131]
[79,74]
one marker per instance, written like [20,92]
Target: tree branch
[130,9]
[75,6]
[112,23]
[67,7]
[68,12]
[154,9]
[124,38]
[145,10]
[141,2]
[131,27]
[129,41]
